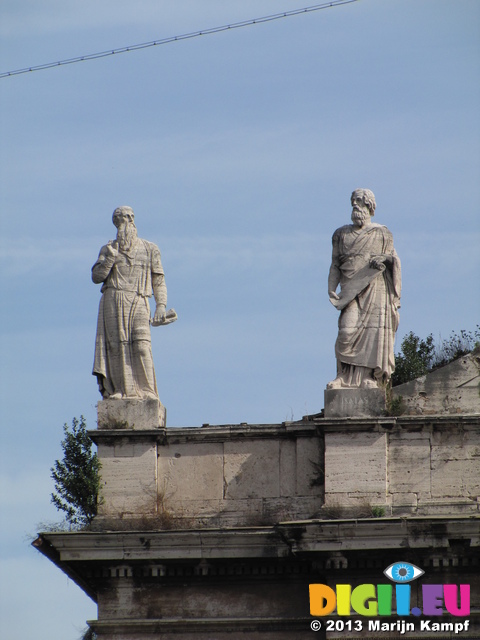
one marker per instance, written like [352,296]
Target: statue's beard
[126,235]
[360,215]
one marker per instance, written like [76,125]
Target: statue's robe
[123,355]
[369,301]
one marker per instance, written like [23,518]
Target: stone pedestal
[131,414]
[354,403]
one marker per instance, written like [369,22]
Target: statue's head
[122,215]
[366,196]
[123,218]
[363,203]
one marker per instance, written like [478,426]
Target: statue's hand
[159,316]
[378,262]
[332,294]
[112,248]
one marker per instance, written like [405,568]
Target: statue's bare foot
[335,384]
[115,396]
[369,384]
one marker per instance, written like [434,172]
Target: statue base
[354,403]
[131,414]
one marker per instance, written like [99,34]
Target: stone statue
[130,269]
[367,268]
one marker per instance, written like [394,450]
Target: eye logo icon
[403,572]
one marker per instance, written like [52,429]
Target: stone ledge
[306,428]
[204,625]
[262,542]
[213,433]
[398,424]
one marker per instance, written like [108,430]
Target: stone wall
[226,475]
[452,389]
[403,465]
[252,475]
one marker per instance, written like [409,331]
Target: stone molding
[211,433]
[173,583]
[307,427]
[203,625]
[277,541]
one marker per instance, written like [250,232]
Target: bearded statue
[130,271]
[367,268]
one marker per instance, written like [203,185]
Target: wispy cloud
[21,256]
[27,255]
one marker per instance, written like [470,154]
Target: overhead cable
[184,36]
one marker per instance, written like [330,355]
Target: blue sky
[238,153]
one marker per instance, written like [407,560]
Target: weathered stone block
[354,403]
[452,506]
[309,456]
[204,601]
[288,468]
[251,469]
[124,450]
[409,464]
[340,500]
[128,480]
[453,389]
[191,470]
[131,414]
[456,444]
[456,478]
[242,509]
[404,500]
[355,462]
[291,508]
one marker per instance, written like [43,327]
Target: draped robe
[123,356]
[369,300]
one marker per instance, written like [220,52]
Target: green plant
[335,511]
[456,346]
[414,358]
[76,477]
[418,357]
[395,405]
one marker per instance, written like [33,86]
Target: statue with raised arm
[130,270]
[367,268]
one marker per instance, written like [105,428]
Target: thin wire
[184,36]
